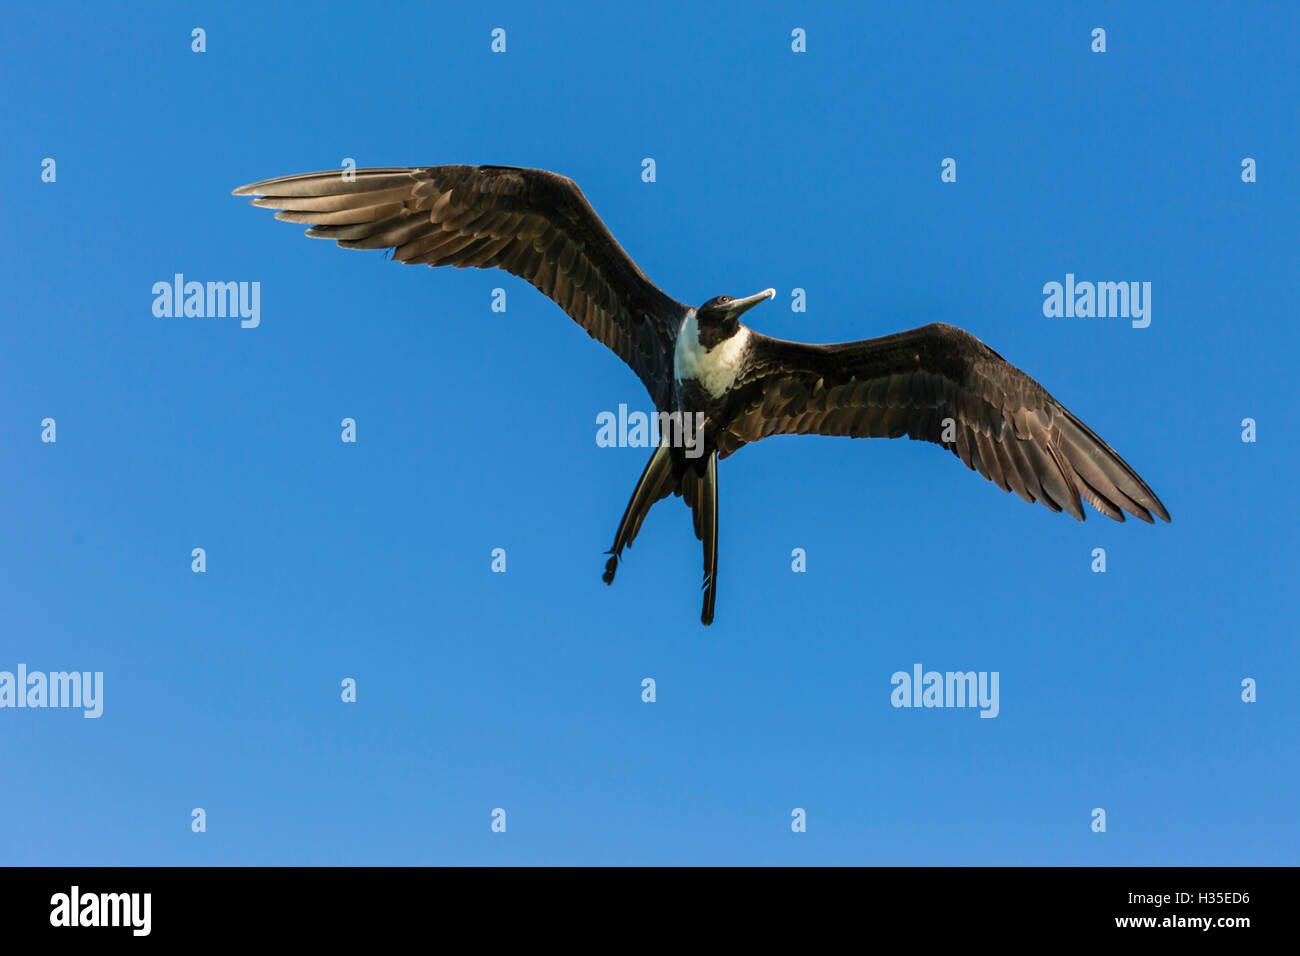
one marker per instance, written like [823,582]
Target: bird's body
[936,383]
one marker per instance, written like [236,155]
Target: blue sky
[476,430]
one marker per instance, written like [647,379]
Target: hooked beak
[737,307]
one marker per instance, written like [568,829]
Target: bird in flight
[718,384]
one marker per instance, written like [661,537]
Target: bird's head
[723,313]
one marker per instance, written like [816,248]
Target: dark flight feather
[529,222]
[1003,424]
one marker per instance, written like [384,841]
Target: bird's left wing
[530,222]
[942,385]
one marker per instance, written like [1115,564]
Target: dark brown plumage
[1003,424]
[532,223]
[937,383]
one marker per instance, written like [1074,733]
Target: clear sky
[476,430]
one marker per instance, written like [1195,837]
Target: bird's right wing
[941,385]
[531,223]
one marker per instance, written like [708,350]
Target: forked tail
[697,482]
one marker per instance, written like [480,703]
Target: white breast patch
[716,368]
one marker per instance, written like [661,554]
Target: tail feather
[709,509]
[665,475]
[699,488]
[654,485]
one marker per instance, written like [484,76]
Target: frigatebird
[936,383]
